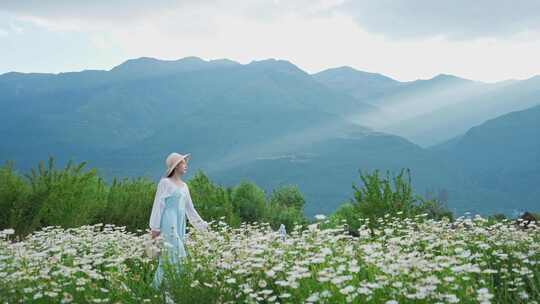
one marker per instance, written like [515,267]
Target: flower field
[407,261]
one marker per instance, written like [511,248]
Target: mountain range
[270,122]
[449,105]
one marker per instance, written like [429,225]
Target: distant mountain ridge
[431,111]
[147,67]
[359,84]
[271,122]
[120,108]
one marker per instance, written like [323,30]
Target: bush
[289,217]
[288,197]
[346,213]
[13,194]
[129,203]
[213,202]
[286,206]
[388,196]
[249,202]
[73,196]
[435,210]
[68,197]
[498,217]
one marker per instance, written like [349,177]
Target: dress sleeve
[192,214]
[159,204]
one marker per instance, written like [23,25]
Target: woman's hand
[155,234]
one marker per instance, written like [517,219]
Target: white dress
[172,204]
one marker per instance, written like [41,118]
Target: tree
[68,197]
[249,202]
[286,206]
[13,193]
[287,196]
[212,201]
[129,202]
[394,196]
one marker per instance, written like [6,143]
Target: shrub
[346,213]
[389,196]
[249,202]
[498,217]
[287,196]
[129,203]
[213,202]
[13,194]
[286,206]
[68,197]
[73,196]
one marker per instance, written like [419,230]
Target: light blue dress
[171,207]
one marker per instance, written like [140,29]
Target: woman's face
[181,168]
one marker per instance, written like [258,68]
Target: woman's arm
[157,208]
[192,214]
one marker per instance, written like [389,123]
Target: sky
[404,39]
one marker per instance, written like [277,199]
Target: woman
[172,204]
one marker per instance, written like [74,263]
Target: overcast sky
[404,39]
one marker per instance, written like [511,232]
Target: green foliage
[214,202]
[73,196]
[435,209]
[286,206]
[129,202]
[289,217]
[249,202]
[346,213]
[387,196]
[498,217]
[67,197]
[287,196]
[13,193]
[185,288]
[377,197]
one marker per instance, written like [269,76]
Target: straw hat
[174,159]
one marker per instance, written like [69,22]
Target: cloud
[73,15]
[132,11]
[314,34]
[455,19]
[8,26]
[403,19]
[98,9]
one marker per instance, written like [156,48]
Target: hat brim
[186,157]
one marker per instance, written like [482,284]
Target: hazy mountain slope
[143,102]
[431,111]
[502,155]
[448,121]
[504,152]
[325,171]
